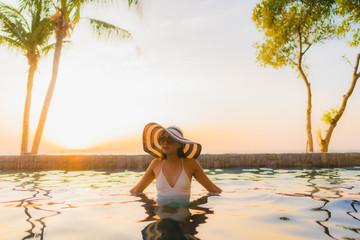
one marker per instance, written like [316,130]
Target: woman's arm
[201,177]
[146,179]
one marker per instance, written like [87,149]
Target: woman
[174,164]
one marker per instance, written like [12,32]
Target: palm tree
[27,32]
[65,17]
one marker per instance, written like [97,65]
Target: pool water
[255,204]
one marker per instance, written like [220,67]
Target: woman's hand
[201,177]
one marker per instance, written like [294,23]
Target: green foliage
[350,11]
[291,27]
[331,116]
[319,137]
[105,29]
[25,30]
[45,15]
[68,13]
[130,2]
[344,57]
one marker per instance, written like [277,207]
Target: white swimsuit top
[182,186]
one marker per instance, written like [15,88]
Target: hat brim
[152,146]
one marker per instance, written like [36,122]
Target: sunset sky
[196,69]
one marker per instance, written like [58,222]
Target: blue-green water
[255,204]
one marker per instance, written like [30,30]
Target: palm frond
[15,26]
[130,2]
[64,4]
[104,29]
[45,50]
[13,22]
[93,1]
[11,44]
[27,4]
[43,31]
[36,14]
[77,13]
[11,27]
[12,13]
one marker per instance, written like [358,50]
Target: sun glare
[85,123]
[74,133]
[79,142]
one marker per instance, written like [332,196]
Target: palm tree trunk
[49,94]
[25,132]
[326,141]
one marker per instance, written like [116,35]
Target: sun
[75,123]
[77,134]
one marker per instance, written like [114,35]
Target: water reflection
[31,203]
[37,225]
[284,204]
[328,187]
[335,186]
[173,218]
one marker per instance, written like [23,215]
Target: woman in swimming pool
[175,162]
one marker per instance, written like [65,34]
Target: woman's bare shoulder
[155,165]
[155,161]
[191,162]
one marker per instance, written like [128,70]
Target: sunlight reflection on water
[256,204]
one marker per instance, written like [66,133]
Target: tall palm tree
[26,31]
[65,17]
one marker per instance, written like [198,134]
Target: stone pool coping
[140,162]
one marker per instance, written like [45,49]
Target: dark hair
[180,151]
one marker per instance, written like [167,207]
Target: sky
[195,68]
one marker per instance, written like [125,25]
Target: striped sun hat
[152,146]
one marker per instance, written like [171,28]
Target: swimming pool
[256,204]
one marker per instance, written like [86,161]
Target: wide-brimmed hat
[152,146]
